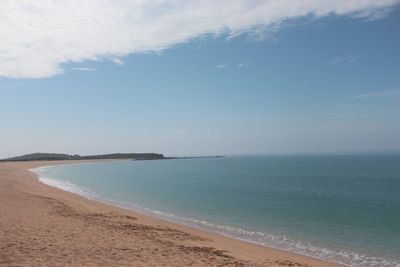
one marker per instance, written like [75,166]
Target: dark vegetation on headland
[55,156]
[133,156]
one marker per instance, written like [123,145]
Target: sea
[339,208]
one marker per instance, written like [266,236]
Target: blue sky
[327,84]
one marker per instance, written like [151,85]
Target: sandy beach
[44,226]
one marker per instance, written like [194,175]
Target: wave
[62,184]
[344,257]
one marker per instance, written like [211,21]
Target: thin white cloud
[221,66]
[117,61]
[85,69]
[242,65]
[346,59]
[39,37]
[388,93]
[224,66]
[371,15]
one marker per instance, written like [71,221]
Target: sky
[199,77]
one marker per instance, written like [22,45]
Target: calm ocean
[344,209]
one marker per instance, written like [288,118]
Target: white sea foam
[63,185]
[344,257]
[347,258]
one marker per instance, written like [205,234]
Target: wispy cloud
[84,69]
[371,15]
[224,66]
[220,66]
[40,37]
[117,61]
[349,59]
[242,65]
[388,93]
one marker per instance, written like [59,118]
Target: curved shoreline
[261,239]
[243,252]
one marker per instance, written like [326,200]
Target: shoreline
[188,245]
[197,224]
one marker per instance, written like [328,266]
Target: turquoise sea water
[344,209]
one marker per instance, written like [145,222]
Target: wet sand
[44,226]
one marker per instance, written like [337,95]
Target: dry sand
[45,226]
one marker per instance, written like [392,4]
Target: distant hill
[54,156]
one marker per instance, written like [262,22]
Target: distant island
[133,156]
[55,156]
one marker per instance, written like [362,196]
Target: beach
[44,226]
